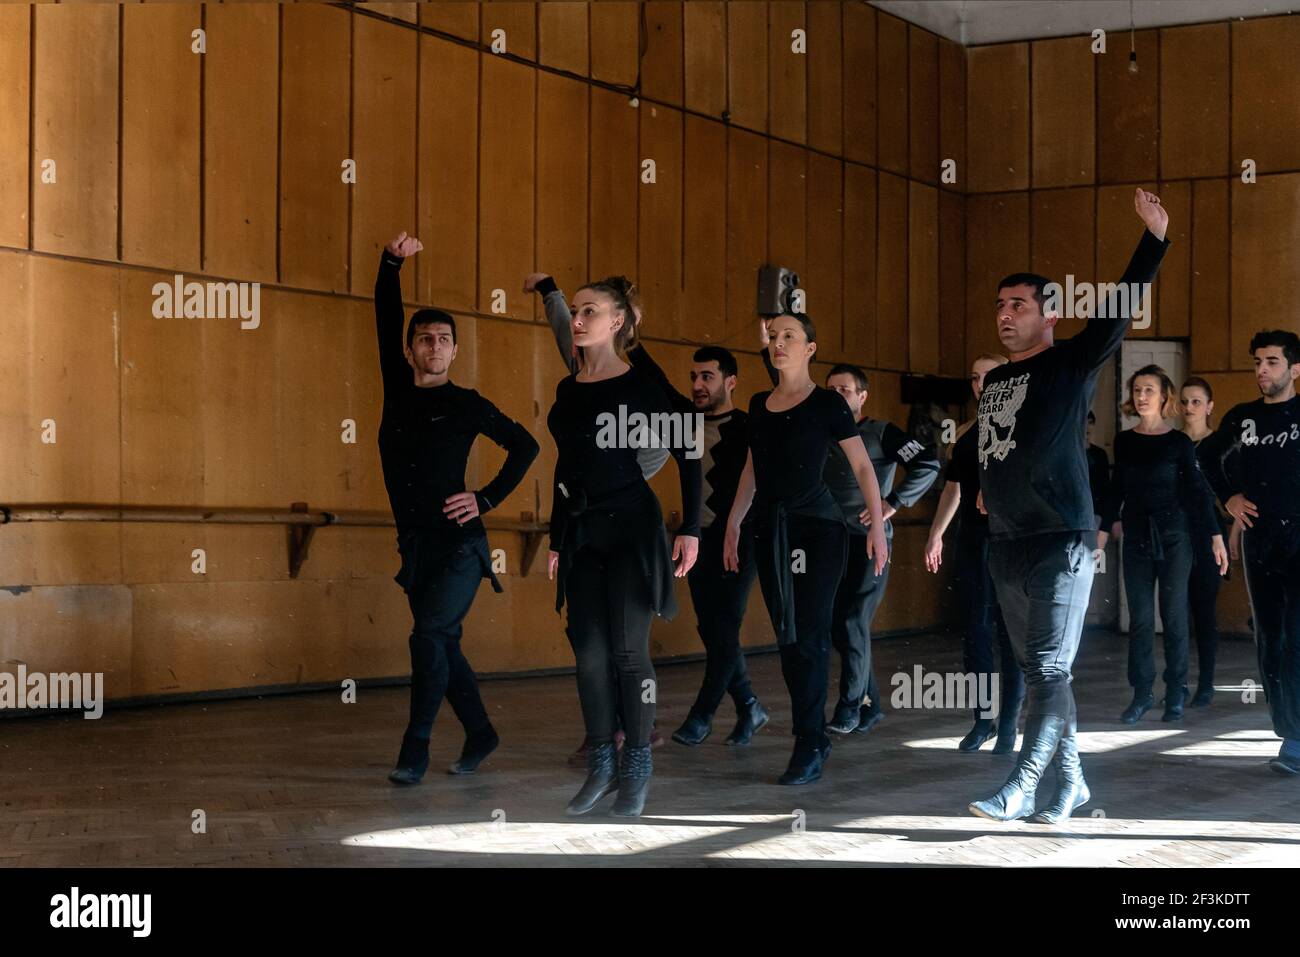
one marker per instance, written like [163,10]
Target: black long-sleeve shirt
[1032,416]
[1156,476]
[425,434]
[1255,452]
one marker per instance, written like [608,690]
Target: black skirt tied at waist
[772,547]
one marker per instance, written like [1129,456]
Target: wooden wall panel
[661,67]
[859,26]
[507,381]
[1210,278]
[747,65]
[1005,217]
[952,284]
[1265,281]
[1063,225]
[1266,93]
[561,184]
[823,271]
[314,126]
[505,201]
[76,104]
[1127,113]
[448,187]
[1118,231]
[562,36]
[787,206]
[452,16]
[615,172]
[891,272]
[398,11]
[160,136]
[1194,101]
[1063,149]
[746,229]
[997,116]
[787,78]
[704,26]
[19,425]
[952,110]
[241,91]
[659,268]
[704,243]
[923,104]
[891,93]
[1173,283]
[519,21]
[15,113]
[825,106]
[615,42]
[922,280]
[860,261]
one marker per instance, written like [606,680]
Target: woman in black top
[1196,405]
[1167,511]
[801,545]
[609,551]
[985,629]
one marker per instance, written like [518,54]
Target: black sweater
[425,434]
[1256,452]
[1032,415]
[1156,477]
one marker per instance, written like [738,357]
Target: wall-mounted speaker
[776,292]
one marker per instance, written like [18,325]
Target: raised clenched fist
[404,245]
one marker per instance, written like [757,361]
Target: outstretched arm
[390,316]
[646,365]
[557,315]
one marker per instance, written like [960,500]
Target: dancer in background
[1098,467]
[1034,487]
[428,427]
[799,536]
[985,644]
[1167,515]
[1196,405]
[1253,464]
[609,551]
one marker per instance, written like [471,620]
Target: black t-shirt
[1256,452]
[1032,416]
[964,469]
[1157,475]
[790,447]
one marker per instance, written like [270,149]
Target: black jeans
[986,646]
[1157,555]
[1043,583]
[818,549]
[858,595]
[1203,597]
[441,580]
[609,605]
[1271,556]
[720,597]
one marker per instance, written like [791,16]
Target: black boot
[980,732]
[1143,701]
[868,718]
[693,731]
[633,782]
[477,747]
[1006,742]
[806,762]
[1071,789]
[1204,696]
[749,718]
[1016,798]
[412,761]
[845,720]
[1175,698]
[602,779]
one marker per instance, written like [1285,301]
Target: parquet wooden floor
[300,780]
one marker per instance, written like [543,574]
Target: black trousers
[1203,599]
[609,608]
[1271,556]
[858,595]
[720,598]
[986,645]
[819,550]
[1166,564]
[1043,583]
[441,580]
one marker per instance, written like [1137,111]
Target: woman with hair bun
[1167,512]
[609,551]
